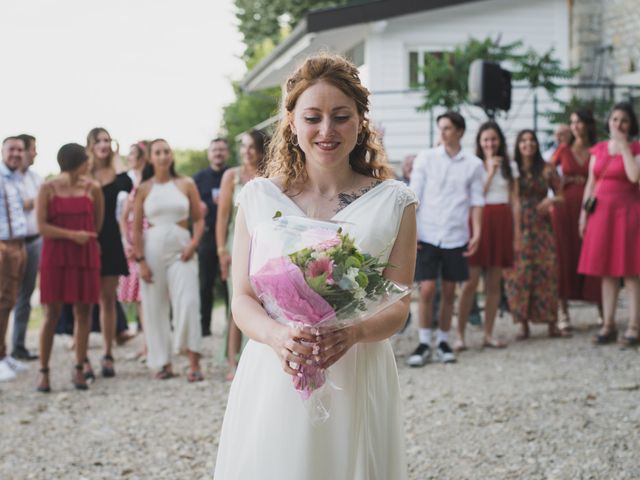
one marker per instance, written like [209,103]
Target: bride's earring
[294,140]
[360,139]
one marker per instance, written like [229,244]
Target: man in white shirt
[449,184]
[31,182]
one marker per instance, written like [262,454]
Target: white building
[388,38]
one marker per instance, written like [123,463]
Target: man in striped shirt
[13,230]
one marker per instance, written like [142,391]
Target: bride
[325,162]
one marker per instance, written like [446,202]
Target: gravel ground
[542,409]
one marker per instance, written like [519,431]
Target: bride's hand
[292,352]
[336,343]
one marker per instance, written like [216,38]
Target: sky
[140,68]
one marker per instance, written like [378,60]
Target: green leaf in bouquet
[353,261]
[319,284]
[362,280]
[278,214]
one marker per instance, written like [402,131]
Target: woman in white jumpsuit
[167,264]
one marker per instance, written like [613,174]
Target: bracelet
[139,259]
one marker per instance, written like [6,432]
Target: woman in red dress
[573,160]
[70,212]
[611,232]
[500,229]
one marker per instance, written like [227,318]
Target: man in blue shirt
[13,230]
[208,183]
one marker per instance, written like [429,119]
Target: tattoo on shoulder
[345,199]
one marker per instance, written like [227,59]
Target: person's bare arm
[222,220]
[197,220]
[48,230]
[138,239]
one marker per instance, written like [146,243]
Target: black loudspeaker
[489,86]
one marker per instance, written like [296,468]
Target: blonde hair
[288,160]
[92,139]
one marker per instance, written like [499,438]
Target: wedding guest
[31,182]
[70,212]
[500,230]
[166,262]
[112,257]
[561,136]
[13,255]
[129,285]
[324,161]
[532,283]
[407,167]
[448,182]
[573,160]
[252,154]
[208,183]
[611,231]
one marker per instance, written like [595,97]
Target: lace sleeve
[405,196]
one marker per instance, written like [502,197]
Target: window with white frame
[416,63]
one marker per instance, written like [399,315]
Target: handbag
[591,202]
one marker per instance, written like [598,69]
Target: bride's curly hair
[288,160]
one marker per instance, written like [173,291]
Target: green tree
[261,20]
[188,162]
[446,75]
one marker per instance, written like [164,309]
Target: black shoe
[444,354]
[78,386]
[420,356]
[44,388]
[89,376]
[24,355]
[206,333]
[107,372]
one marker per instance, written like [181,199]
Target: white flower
[360,294]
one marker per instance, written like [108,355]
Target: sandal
[564,323]
[107,370]
[493,343]
[609,336]
[459,346]
[44,387]
[78,371]
[165,374]
[195,376]
[555,332]
[630,338]
[89,376]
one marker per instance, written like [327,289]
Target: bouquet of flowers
[310,273]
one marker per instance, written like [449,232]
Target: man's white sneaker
[6,372]
[420,356]
[444,354]
[15,365]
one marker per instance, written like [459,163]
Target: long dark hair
[537,167]
[148,171]
[505,168]
[260,142]
[586,117]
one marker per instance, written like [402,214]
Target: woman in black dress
[113,260]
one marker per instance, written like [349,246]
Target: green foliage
[247,110]
[261,20]
[599,106]
[189,162]
[446,75]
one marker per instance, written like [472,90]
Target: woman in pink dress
[611,231]
[573,160]
[129,285]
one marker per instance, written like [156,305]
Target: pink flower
[327,244]
[319,266]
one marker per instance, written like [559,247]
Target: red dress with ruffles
[611,245]
[565,215]
[69,272]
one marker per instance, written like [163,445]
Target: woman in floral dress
[532,284]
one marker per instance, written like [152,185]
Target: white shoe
[15,365]
[6,372]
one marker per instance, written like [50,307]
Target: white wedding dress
[267,433]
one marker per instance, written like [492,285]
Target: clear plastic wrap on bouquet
[310,273]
